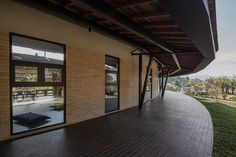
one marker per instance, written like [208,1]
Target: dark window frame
[114,83]
[40,83]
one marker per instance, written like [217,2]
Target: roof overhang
[182,35]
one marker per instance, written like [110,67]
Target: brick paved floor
[176,126]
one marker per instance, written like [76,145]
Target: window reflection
[35,107]
[111,77]
[111,64]
[53,75]
[26,74]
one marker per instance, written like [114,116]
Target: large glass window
[37,83]
[111,84]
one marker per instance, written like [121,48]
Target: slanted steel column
[145,81]
[164,88]
[140,77]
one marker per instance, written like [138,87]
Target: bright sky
[29,51]
[225,62]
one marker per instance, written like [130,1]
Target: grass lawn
[224,122]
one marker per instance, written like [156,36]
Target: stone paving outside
[39,106]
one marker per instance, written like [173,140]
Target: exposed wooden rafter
[125,22]
[156,14]
[131,3]
[169,32]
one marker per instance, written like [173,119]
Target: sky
[29,51]
[225,62]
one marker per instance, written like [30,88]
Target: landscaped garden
[224,123]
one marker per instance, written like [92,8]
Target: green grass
[224,123]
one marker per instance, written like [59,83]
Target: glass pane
[149,84]
[33,50]
[111,64]
[111,77]
[26,74]
[148,94]
[36,107]
[111,101]
[53,75]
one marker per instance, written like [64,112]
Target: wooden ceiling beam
[164,23]
[161,26]
[169,33]
[60,2]
[179,42]
[175,38]
[88,14]
[125,32]
[63,13]
[103,21]
[180,53]
[118,18]
[156,14]
[172,36]
[183,45]
[131,3]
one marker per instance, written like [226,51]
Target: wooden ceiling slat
[179,42]
[160,23]
[156,14]
[175,37]
[180,53]
[180,36]
[162,26]
[169,33]
[125,32]
[131,3]
[184,45]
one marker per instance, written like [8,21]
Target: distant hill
[201,77]
[183,81]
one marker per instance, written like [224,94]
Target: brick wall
[4,87]
[128,83]
[85,85]
[154,81]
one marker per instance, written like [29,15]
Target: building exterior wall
[4,87]
[85,64]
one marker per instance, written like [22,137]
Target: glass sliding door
[111,83]
[37,83]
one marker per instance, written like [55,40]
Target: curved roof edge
[198,20]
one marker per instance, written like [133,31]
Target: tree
[177,83]
[233,84]
[187,78]
[214,85]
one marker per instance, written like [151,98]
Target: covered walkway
[177,126]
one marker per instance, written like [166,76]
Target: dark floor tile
[177,126]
